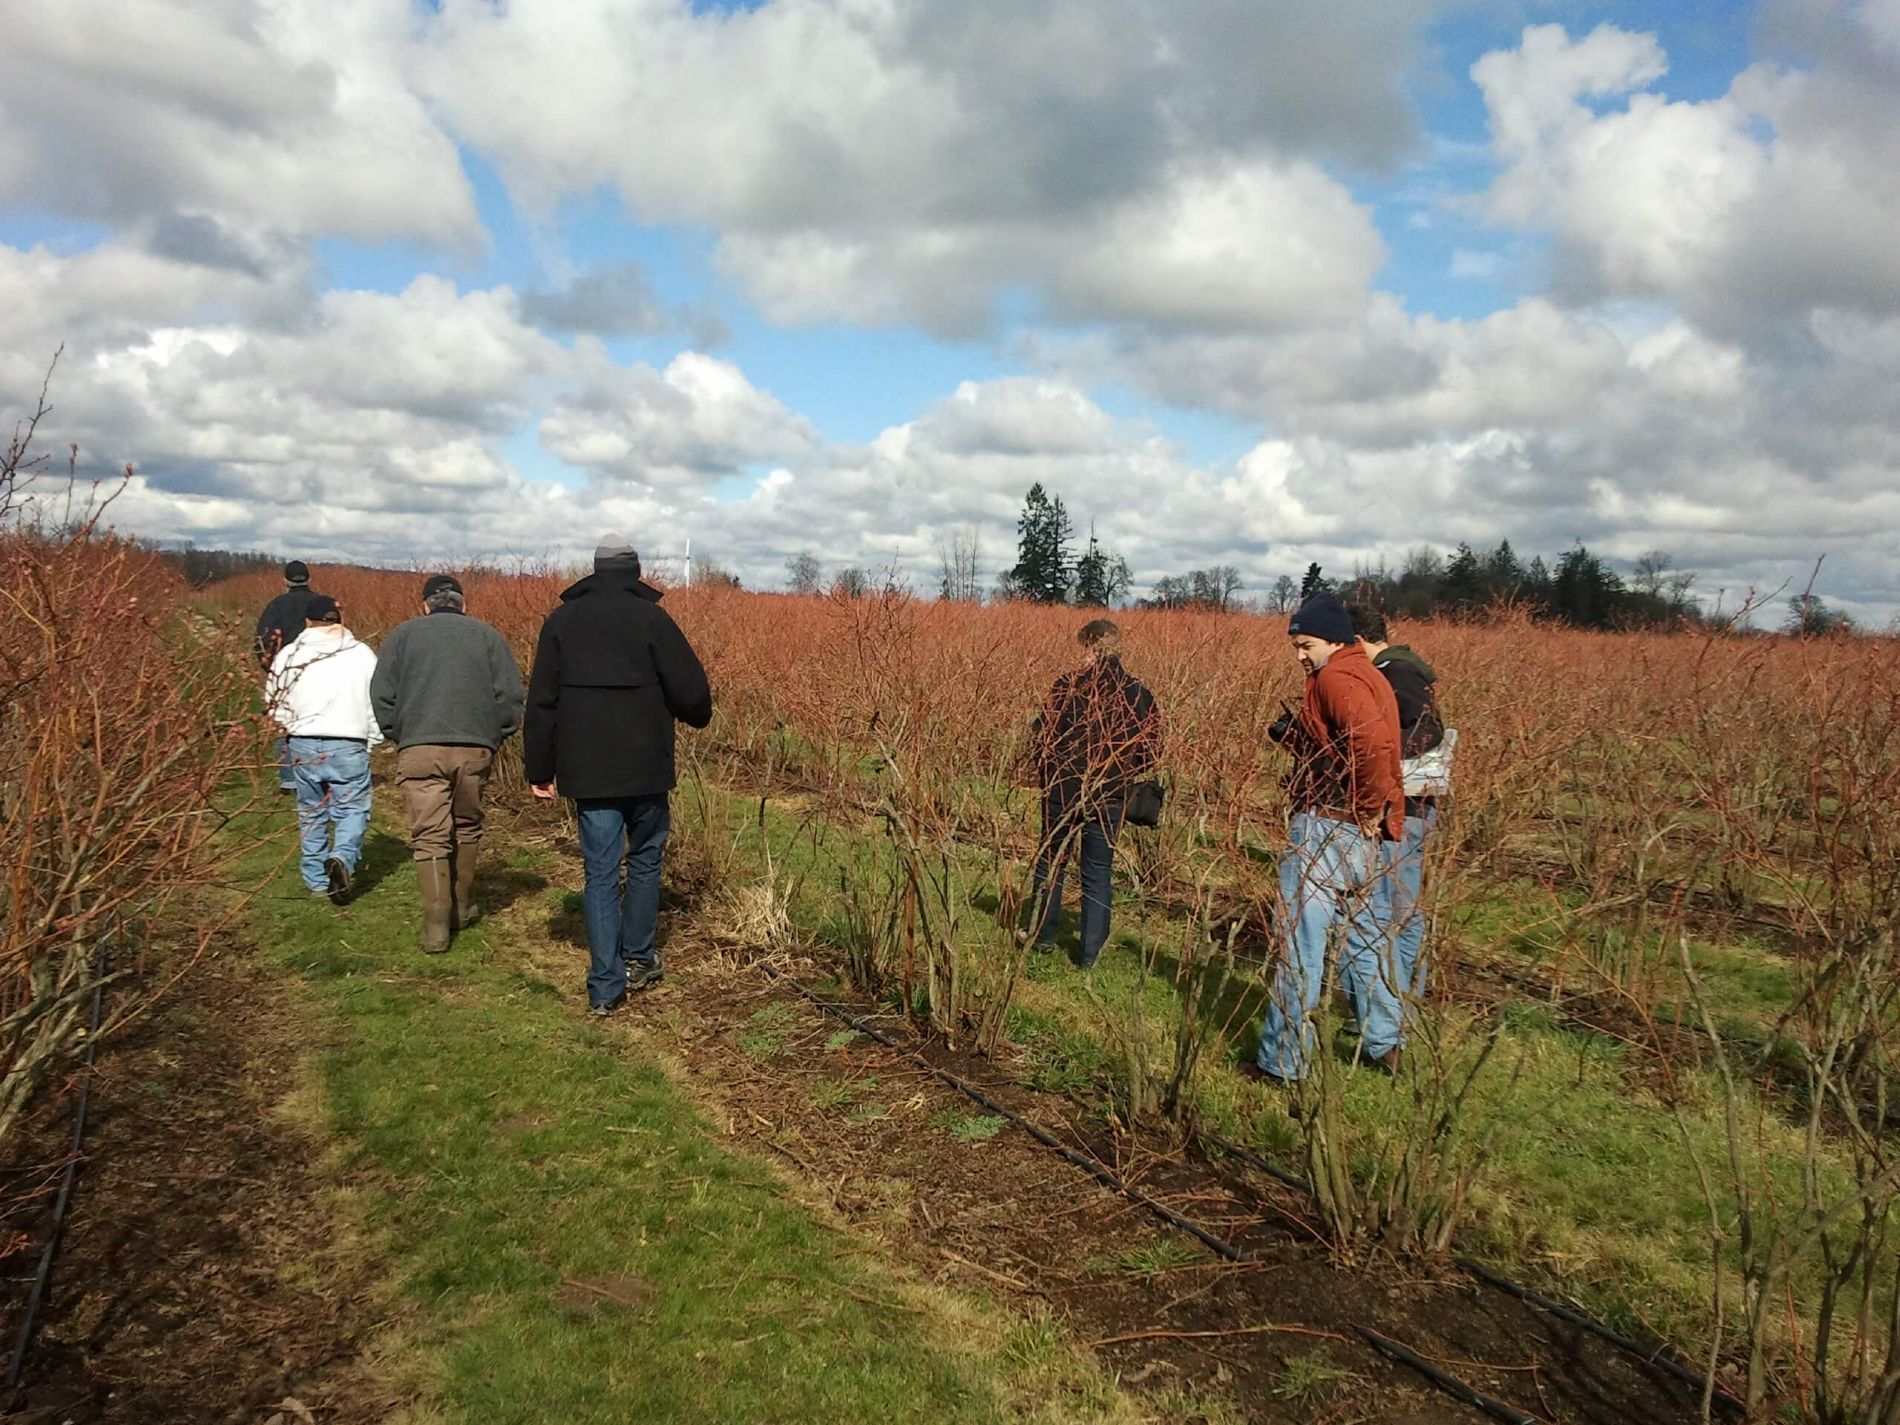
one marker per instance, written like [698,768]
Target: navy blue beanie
[1324,617]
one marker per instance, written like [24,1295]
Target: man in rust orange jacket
[1348,798]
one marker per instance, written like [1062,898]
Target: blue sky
[1306,287]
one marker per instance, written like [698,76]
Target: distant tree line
[1580,588]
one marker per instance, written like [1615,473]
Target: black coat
[1098,734]
[611,673]
[281,621]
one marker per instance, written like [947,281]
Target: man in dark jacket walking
[612,674]
[1098,734]
[1421,732]
[448,694]
[1346,798]
[277,628]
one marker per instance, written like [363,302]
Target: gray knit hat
[614,552]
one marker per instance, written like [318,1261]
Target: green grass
[969,1127]
[564,1237]
[1309,1379]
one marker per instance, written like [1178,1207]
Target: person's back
[318,693]
[448,693]
[282,621]
[448,679]
[612,673]
[1099,732]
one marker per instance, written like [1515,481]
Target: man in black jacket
[279,625]
[612,673]
[1098,734]
[448,694]
[1421,730]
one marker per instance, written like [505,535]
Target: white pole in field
[689,561]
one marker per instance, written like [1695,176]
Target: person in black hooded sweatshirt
[612,674]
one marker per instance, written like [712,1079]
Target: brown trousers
[442,793]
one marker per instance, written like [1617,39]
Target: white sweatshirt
[319,686]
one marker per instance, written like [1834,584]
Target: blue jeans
[621,918]
[285,777]
[332,776]
[1397,901]
[1061,831]
[1328,887]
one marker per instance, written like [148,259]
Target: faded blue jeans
[285,778]
[1328,893]
[1398,896]
[621,917]
[332,777]
[1091,836]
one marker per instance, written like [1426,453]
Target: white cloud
[890,161]
[295,118]
[680,428]
[1779,197]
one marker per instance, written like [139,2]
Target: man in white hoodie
[319,694]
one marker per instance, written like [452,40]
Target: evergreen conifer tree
[1042,549]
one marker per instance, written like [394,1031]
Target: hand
[543,791]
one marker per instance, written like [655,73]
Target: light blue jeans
[1328,890]
[332,775]
[1397,901]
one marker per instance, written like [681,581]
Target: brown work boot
[437,903]
[466,911]
[1388,1063]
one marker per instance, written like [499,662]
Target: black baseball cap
[440,583]
[322,609]
[296,572]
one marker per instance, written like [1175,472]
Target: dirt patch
[199,1277]
[965,1197]
[583,1296]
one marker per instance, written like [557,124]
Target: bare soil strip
[199,1278]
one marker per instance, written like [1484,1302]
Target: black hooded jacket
[612,672]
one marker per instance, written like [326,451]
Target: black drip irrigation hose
[1212,1241]
[37,1297]
[1659,1354]
[1451,1385]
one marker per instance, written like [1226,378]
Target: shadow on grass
[499,887]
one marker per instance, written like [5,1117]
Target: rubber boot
[466,911]
[437,903]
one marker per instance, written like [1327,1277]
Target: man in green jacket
[448,694]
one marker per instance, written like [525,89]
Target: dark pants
[621,918]
[1093,829]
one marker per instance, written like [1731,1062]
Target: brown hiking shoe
[1388,1063]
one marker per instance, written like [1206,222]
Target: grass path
[564,1238]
